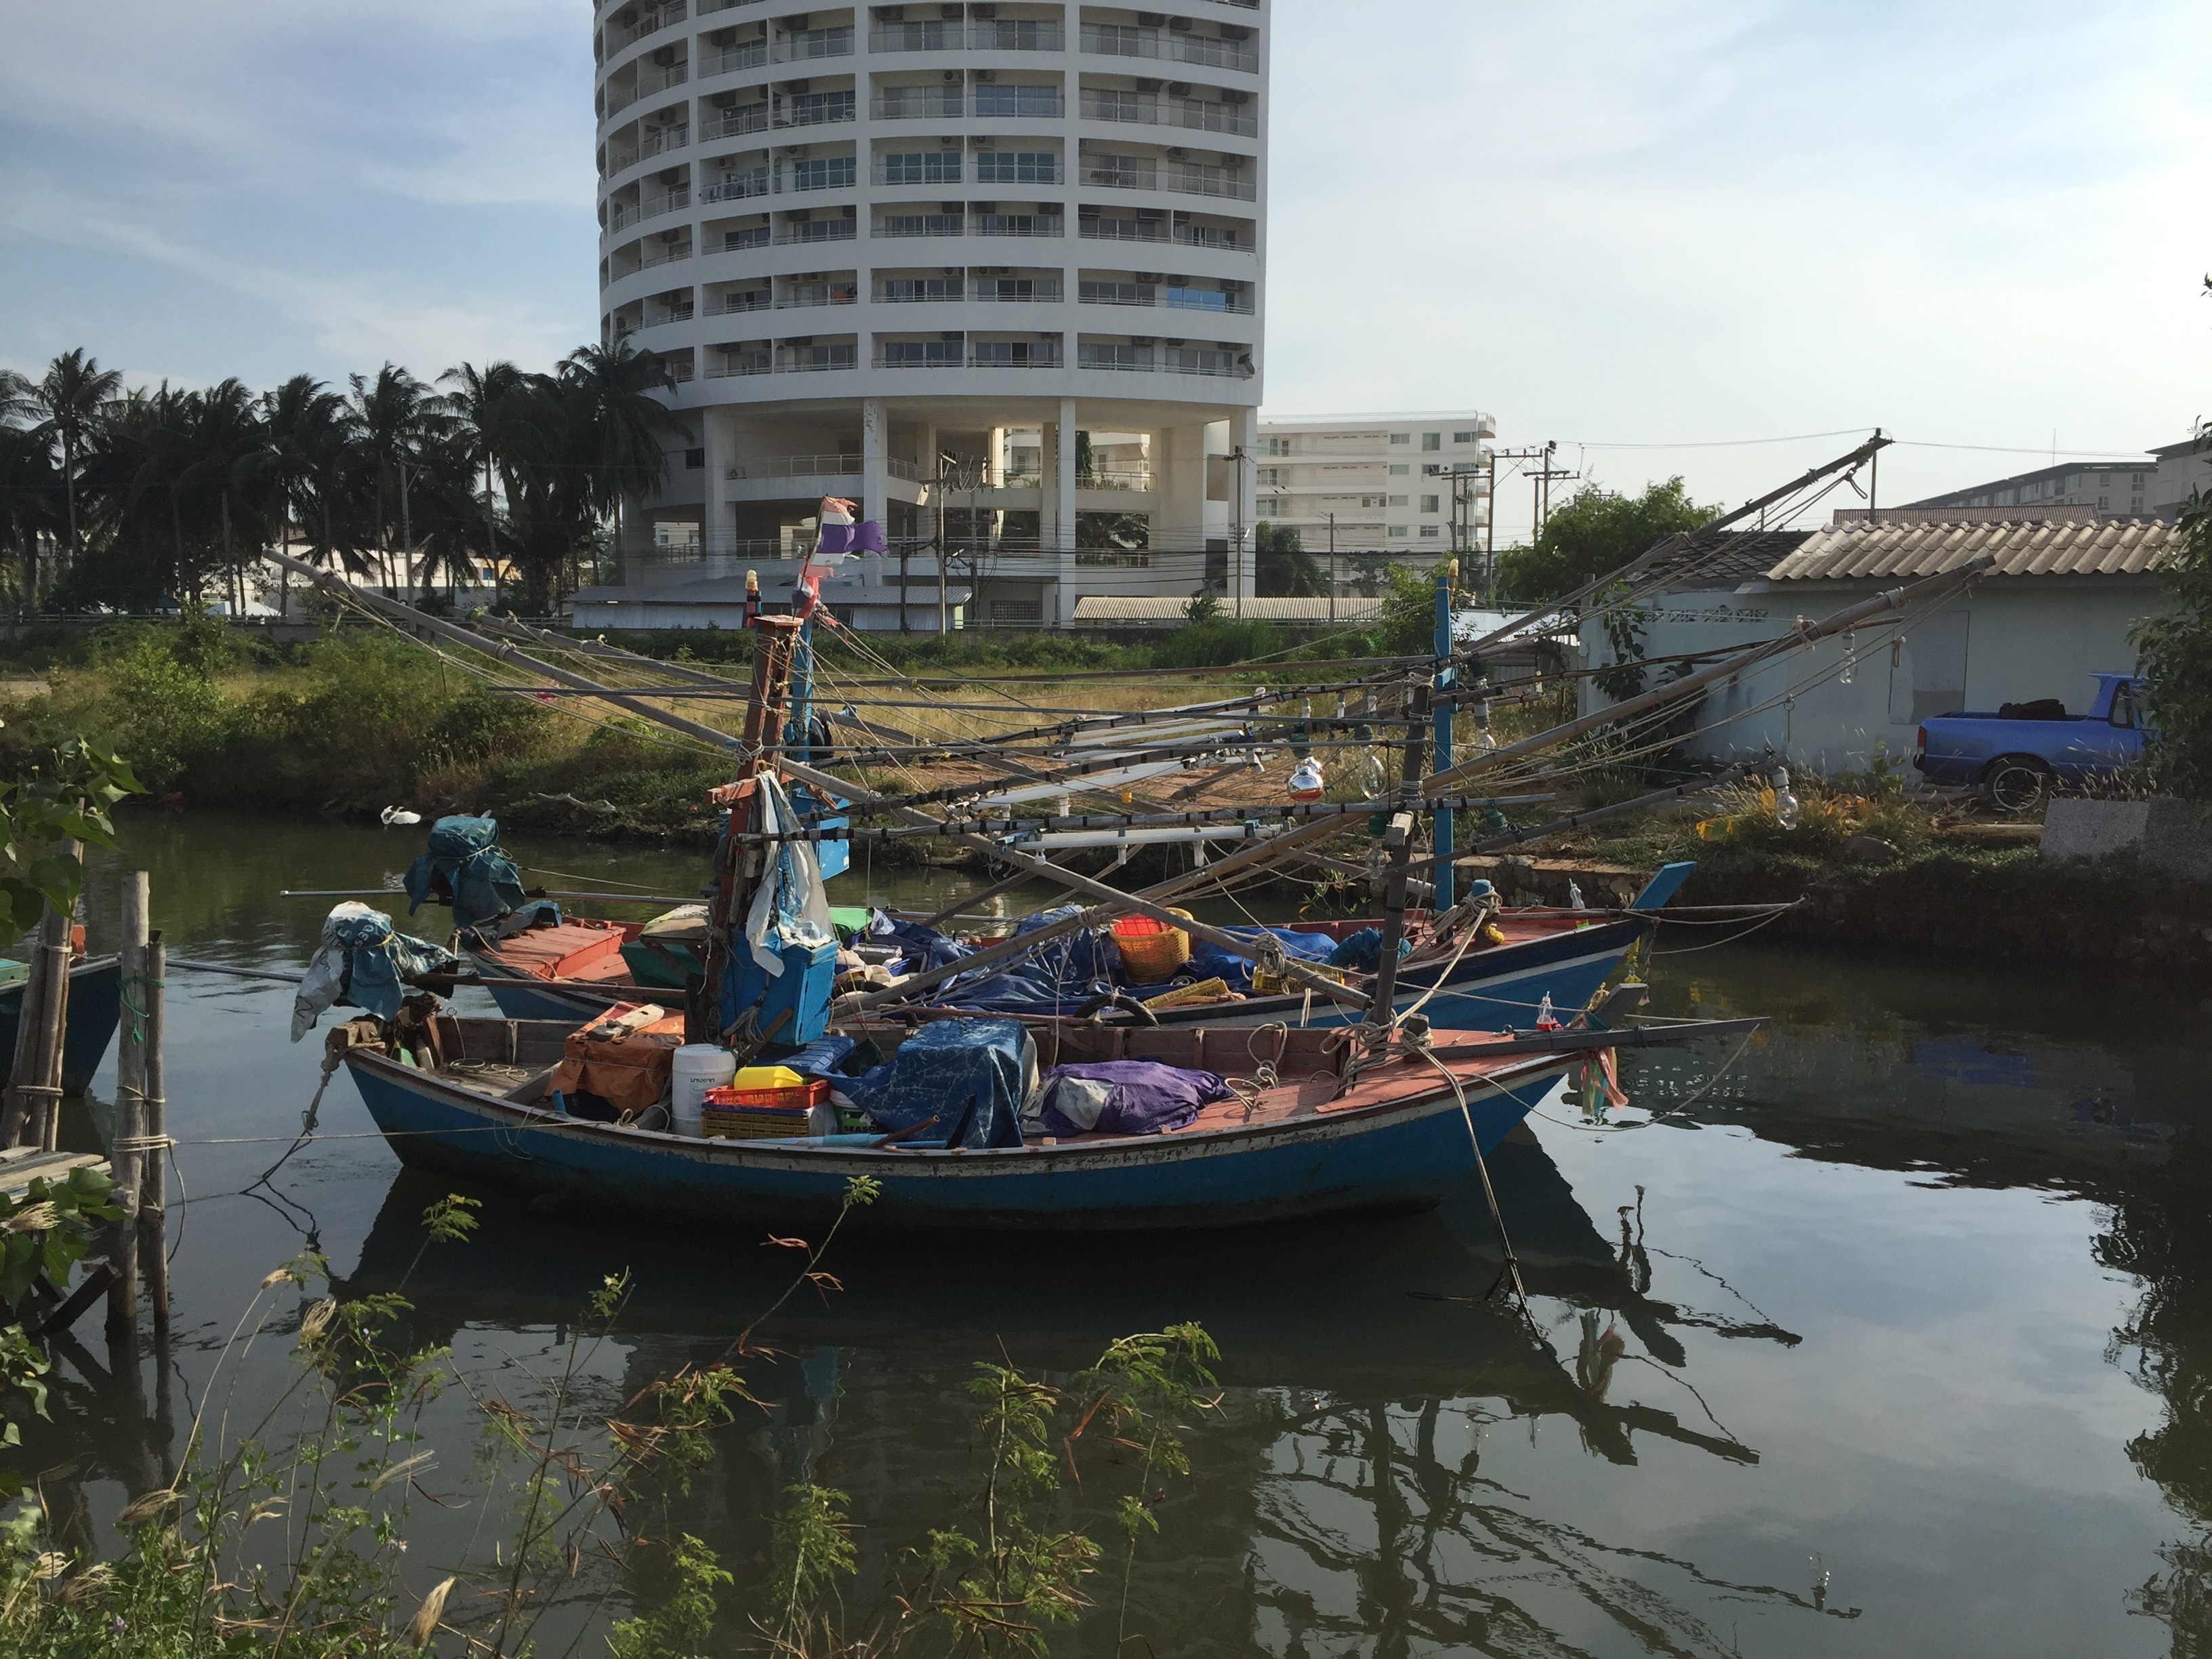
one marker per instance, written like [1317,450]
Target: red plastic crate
[728,1098]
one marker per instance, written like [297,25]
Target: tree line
[136,498]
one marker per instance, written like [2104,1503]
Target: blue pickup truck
[2018,755]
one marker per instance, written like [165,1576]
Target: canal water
[1889,1332]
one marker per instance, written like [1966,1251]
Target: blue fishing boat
[95,1004]
[1313,1128]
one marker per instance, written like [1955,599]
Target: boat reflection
[1337,1486]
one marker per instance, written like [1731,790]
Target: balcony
[666,253]
[734,364]
[922,354]
[1018,103]
[920,224]
[1127,360]
[735,241]
[809,45]
[915,37]
[1139,479]
[817,359]
[822,172]
[1189,178]
[727,305]
[648,22]
[820,467]
[918,103]
[678,369]
[1016,167]
[929,169]
[918,290]
[1015,354]
[730,59]
[1019,224]
[1174,298]
[1017,35]
[1193,360]
[1142,109]
[681,314]
[1214,54]
[653,207]
[1134,40]
[655,143]
[735,121]
[706,7]
[813,109]
[1123,230]
[1018,290]
[816,230]
[1123,173]
[738,186]
[808,295]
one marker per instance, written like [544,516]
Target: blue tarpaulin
[971,1075]
[466,865]
[361,961]
[1363,951]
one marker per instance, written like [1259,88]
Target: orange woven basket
[1151,950]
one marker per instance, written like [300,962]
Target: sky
[1720,238]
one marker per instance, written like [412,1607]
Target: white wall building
[1371,484]
[2055,609]
[994,271]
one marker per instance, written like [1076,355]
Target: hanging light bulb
[1786,804]
[1850,659]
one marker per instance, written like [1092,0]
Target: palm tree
[393,416]
[609,390]
[72,398]
[230,452]
[311,435]
[489,406]
[28,481]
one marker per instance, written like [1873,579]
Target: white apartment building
[1414,487]
[996,271]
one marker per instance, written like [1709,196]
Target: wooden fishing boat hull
[523,998]
[1398,1154]
[95,1005]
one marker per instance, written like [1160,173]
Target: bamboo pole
[127,1159]
[33,1111]
[153,1202]
[16,1125]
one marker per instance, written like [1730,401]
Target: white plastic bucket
[697,1067]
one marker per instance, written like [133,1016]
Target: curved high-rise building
[996,270]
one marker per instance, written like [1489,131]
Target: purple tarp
[1126,1097]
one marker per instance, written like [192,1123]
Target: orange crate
[728,1098]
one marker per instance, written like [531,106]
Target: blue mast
[1446,678]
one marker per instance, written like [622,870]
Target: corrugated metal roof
[1703,559]
[2115,547]
[1166,608]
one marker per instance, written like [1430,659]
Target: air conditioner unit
[1235,31]
[987,207]
[1150,276]
[950,14]
[1150,20]
[1145,85]
[1178,88]
[794,24]
[797,85]
[950,271]
[986,75]
[671,236]
[794,149]
[891,14]
[1150,215]
[723,38]
[724,100]
[949,334]
[850,212]
[801,215]
[952,75]
[1179,24]
[1142,340]
[1236,97]
[985,143]
[985,12]
[1175,154]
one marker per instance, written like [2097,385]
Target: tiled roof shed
[1906,552]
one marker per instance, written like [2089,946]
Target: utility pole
[1332,567]
[1236,527]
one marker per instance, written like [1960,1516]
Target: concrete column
[717,527]
[1063,510]
[994,463]
[1243,486]
[874,433]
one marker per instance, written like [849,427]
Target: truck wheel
[2016,783]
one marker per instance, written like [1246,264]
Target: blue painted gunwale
[96,1007]
[1398,1155]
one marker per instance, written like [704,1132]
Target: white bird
[392,815]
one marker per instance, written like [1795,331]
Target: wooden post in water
[33,1111]
[154,1186]
[128,1161]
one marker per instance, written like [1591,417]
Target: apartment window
[2135,504]
[1271,446]
[1429,504]
[1466,437]
[2135,481]
[1016,167]
[808,108]
[2103,479]
[941,166]
[1398,501]
[1112,356]
[1197,299]
[1401,469]
[1370,501]
[1016,100]
[695,457]
[1271,475]
[1017,354]
[1396,530]
[1402,437]
[903,291]
[2104,504]
[1432,439]
[921,354]
[1432,530]
[824,172]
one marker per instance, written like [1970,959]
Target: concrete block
[2169,834]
